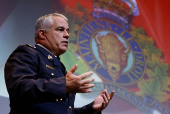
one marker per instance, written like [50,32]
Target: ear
[41,34]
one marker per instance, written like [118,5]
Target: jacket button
[61,99]
[56,100]
[52,74]
[69,107]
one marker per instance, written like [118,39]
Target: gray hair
[45,22]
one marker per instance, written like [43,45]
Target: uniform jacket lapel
[49,56]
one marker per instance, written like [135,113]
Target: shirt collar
[47,50]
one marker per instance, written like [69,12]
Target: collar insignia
[50,57]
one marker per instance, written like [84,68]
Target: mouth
[65,42]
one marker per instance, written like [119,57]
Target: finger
[85,75]
[73,69]
[87,86]
[87,81]
[85,90]
[108,96]
[105,99]
[104,91]
[111,94]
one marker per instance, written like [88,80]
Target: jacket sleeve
[87,109]
[22,83]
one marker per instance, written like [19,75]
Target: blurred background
[124,42]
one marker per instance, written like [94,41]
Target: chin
[63,51]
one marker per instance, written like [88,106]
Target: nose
[66,34]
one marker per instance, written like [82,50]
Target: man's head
[52,31]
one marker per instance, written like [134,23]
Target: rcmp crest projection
[111,51]
[122,57]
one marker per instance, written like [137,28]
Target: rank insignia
[50,57]
[49,67]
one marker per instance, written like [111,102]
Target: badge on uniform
[50,57]
[49,67]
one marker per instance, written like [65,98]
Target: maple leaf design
[72,15]
[157,65]
[87,12]
[153,89]
[77,17]
[163,80]
[158,83]
[165,84]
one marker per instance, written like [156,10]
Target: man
[37,81]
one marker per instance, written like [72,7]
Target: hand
[102,101]
[76,84]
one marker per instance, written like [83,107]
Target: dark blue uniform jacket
[36,83]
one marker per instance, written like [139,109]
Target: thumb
[73,69]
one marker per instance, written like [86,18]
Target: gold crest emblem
[50,57]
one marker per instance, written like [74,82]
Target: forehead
[59,21]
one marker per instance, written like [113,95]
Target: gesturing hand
[102,101]
[76,84]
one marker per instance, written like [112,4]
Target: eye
[68,30]
[60,29]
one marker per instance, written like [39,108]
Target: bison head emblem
[112,53]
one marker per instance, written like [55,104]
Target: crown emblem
[116,10]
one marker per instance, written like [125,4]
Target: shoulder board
[29,45]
